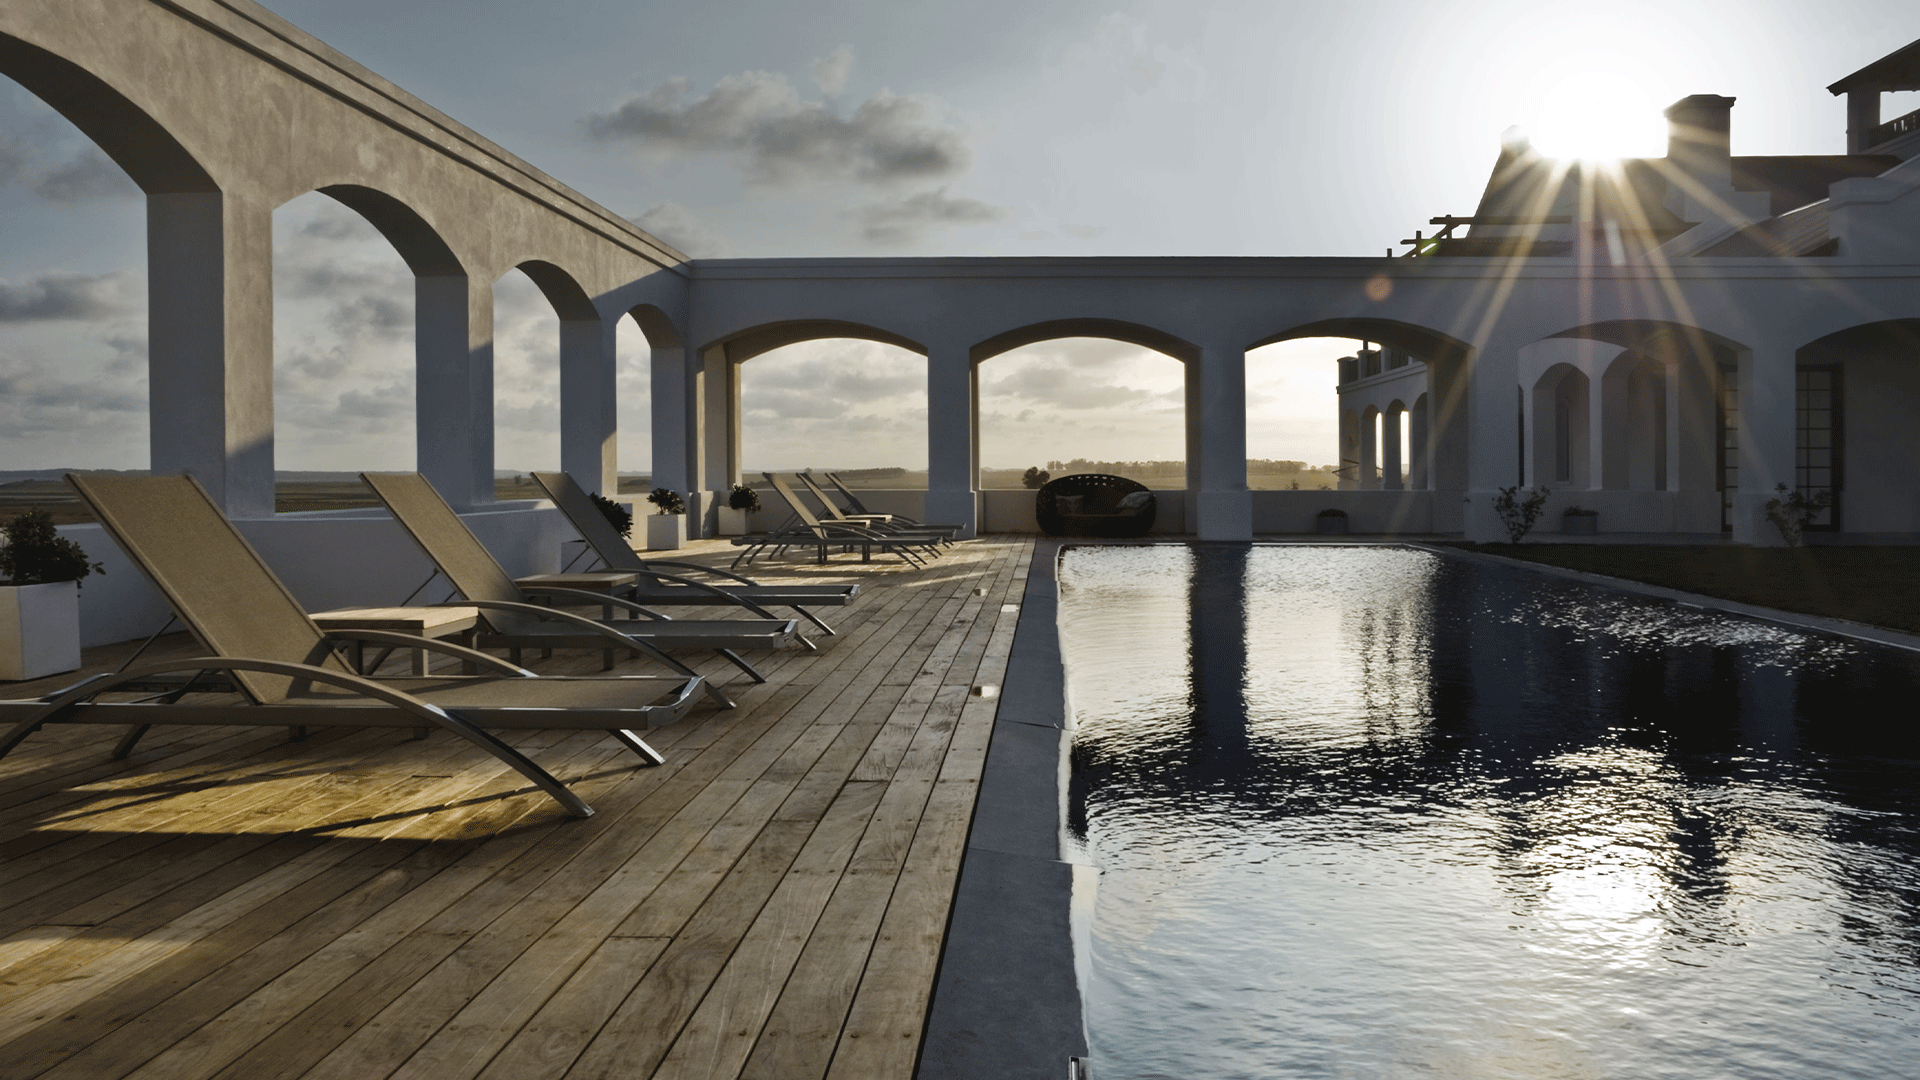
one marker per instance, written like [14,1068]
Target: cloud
[683,229]
[899,221]
[92,175]
[783,139]
[830,71]
[62,295]
[1050,384]
[37,402]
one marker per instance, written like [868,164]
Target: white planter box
[39,630]
[733,522]
[666,532]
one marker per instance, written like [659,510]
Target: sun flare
[1596,106]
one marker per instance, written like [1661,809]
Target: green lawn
[1878,585]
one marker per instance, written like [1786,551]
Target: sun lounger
[854,505]
[280,669]
[514,622]
[806,530]
[881,523]
[657,587]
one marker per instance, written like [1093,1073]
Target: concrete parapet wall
[329,559]
[1367,511]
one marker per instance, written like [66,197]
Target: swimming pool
[1375,812]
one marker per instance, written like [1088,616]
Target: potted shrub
[1331,521]
[667,526]
[1577,522]
[40,598]
[741,501]
[617,514]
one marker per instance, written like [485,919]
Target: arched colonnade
[250,113]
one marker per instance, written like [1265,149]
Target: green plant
[742,497]
[1034,477]
[667,501]
[1518,512]
[617,516]
[35,554]
[1792,511]
[1333,512]
[1574,511]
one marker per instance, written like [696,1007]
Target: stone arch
[1441,439]
[657,325]
[1560,436]
[124,131]
[1694,362]
[1139,335]
[418,242]
[744,345]
[1632,428]
[705,455]
[1146,337]
[1856,398]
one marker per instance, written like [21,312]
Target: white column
[1766,440]
[1610,428]
[210,346]
[1693,455]
[589,405]
[675,398]
[719,440]
[1224,509]
[1390,453]
[1492,435]
[952,437]
[1417,471]
[453,386]
[1369,449]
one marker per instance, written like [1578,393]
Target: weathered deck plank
[769,903]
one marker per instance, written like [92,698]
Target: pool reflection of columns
[1217,636]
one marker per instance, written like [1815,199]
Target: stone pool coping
[1879,635]
[1007,999]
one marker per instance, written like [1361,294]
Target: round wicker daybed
[1094,504]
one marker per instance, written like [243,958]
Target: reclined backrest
[589,522]
[212,578]
[444,537]
[799,508]
[853,501]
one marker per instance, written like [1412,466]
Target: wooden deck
[770,903]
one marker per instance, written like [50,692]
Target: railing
[1424,245]
[1893,129]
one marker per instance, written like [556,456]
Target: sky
[861,127]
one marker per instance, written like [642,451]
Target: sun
[1596,106]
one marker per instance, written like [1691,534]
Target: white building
[1619,421]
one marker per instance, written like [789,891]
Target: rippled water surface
[1370,813]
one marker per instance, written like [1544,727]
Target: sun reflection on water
[1370,813]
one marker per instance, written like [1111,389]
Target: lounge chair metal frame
[466,563]
[805,530]
[657,586]
[218,586]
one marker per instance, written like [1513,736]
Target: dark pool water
[1372,812]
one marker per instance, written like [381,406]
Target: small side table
[604,581]
[426,622]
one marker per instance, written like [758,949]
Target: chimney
[1698,139]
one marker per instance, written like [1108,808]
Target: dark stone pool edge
[1819,623]
[1006,1001]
